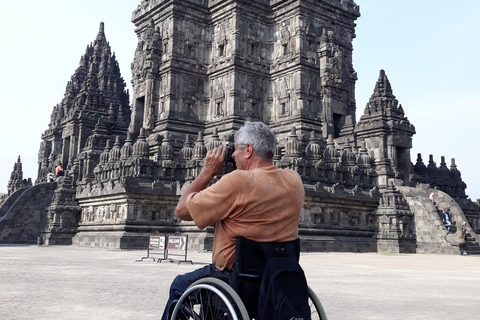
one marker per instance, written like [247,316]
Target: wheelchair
[235,296]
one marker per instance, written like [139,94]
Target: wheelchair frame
[211,298]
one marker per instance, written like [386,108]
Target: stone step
[472,244]
[471,247]
[471,252]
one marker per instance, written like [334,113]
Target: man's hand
[213,163]
[212,166]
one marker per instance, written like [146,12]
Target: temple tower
[205,64]
[95,91]
[387,133]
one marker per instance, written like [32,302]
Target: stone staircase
[471,243]
[432,236]
[23,215]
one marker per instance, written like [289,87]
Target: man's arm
[212,166]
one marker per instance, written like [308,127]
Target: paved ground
[82,283]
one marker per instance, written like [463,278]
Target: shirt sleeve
[212,204]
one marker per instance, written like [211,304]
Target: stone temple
[200,69]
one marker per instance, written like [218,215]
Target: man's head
[258,139]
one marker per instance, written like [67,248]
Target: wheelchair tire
[212,299]
[316,308]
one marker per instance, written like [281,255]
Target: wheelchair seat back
[250,260]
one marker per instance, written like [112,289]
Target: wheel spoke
[211,299]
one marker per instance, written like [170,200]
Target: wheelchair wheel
[316,308]
[212,299]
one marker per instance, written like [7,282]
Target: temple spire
[16,178]
[382,87]
[101,32]
[383,100]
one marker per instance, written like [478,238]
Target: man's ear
[249,148]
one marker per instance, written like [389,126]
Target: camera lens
[230,150]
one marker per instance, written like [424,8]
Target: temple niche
[199,71]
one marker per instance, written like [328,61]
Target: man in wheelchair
[259,202]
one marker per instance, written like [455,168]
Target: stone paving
[66,282]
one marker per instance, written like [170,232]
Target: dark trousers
[181,283]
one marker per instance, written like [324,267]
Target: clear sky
[428,49]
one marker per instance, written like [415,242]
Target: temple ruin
[202,68]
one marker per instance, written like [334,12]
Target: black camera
[228,155]
[230,148]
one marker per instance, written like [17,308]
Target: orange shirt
[263,205]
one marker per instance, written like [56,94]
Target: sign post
[176,245]
[156,246]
